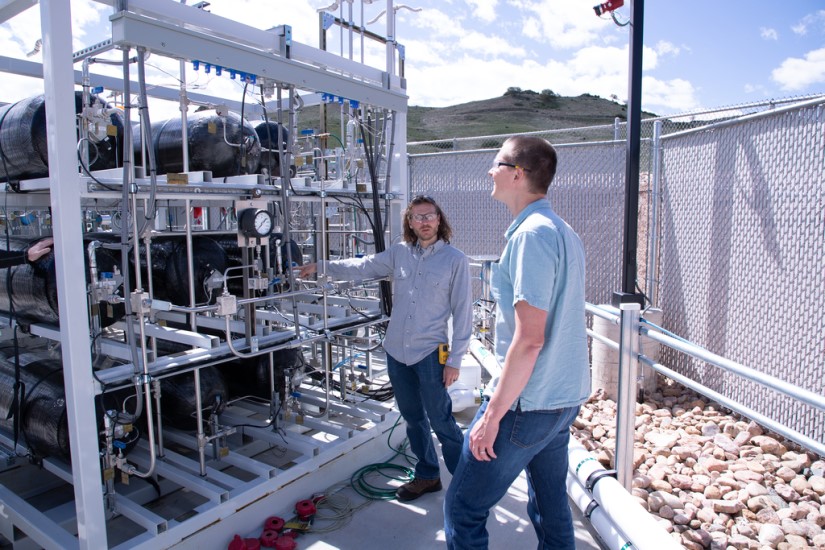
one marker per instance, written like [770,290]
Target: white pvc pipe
[609,535]
[485,358]
[635,524]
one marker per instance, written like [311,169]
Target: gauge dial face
[263,223]
[256,223]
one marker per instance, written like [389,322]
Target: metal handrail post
[626,406]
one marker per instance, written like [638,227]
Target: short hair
[538,159]
[444,229]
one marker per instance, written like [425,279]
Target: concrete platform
[419,525]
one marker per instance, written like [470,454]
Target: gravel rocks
[714,479]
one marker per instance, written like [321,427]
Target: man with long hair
[431,283]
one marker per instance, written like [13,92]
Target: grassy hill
[515,111]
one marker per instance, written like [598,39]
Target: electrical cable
[341,508]
[328,134]
[86,169]
[268,138]
[359,480]
[243,157]
[382,394]
[341,514]
[3,155]
[616,20]
[361,484]
[639,290]
[402,448]
[378,233]
[143,112]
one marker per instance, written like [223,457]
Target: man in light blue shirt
[541,341]
[431,283]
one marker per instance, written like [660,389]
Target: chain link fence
[740,246]
[742,255]
[588,193]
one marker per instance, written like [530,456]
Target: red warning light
[608,6]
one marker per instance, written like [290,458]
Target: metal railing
[634,327]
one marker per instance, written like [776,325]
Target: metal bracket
[590,508]
[595,476]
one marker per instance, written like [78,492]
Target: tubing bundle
[234,255]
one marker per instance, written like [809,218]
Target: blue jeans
[424,402]
[532,440]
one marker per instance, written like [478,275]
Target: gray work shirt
[429,285]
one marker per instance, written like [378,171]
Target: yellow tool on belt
[443,353]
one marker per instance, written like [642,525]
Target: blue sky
[698,53]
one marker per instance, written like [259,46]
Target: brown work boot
[416,488]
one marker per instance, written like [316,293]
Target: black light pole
[634,113]
[628,301]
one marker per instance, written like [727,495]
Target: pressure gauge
[255,222]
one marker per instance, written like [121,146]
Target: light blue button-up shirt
[429,286]
[543,265]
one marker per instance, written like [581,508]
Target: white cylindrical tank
[466,391]
[605,360]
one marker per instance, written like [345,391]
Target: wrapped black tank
[24,148]
[207,137]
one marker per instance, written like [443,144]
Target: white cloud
[424,53]
[795,74]
[532,29]
[12,44]
[447,42]
[484,9]
[600,71]
[813,19]
[438,24]
[755,89]
[669,96]
[768,33]
[663,47]
[301,15]
[563,25]
[25,28]
[19,34]
[467,79]
[597,62]
[489,45]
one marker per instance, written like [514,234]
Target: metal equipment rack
[244,458]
